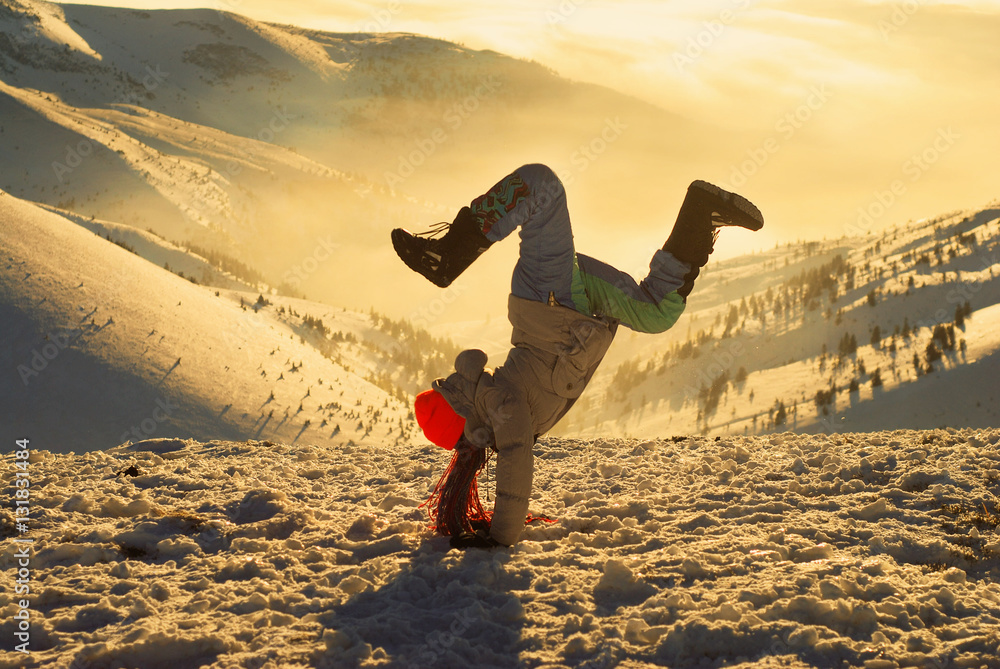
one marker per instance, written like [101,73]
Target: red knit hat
[437,419]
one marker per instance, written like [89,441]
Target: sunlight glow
[895,75]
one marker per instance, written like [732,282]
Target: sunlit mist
[814,110]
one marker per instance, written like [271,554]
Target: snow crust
[875,550]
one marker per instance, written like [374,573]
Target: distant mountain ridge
[257,138]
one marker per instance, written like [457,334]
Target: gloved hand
[479,539]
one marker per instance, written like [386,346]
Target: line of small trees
[226,263]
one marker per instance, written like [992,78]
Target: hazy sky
[867,94]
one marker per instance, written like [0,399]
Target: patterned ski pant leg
[533,198]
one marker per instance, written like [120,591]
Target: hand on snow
[477,540]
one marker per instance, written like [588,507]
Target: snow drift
[875,550]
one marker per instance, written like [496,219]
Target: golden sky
[872,96]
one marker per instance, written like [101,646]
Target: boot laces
[435,230]
[709,240]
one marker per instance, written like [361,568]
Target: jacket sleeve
[508,413]
[459,390]
[653,305]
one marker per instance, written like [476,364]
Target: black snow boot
[442,260]
[707,208]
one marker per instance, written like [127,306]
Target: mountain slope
[100,346]
[894,330]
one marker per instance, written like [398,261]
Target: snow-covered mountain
[223,475]
[894,329]
[101,345]
[264,140]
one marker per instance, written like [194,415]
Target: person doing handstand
[565,308]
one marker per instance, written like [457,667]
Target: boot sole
[411,258]
[740,211]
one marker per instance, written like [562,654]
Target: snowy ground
[875,550]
